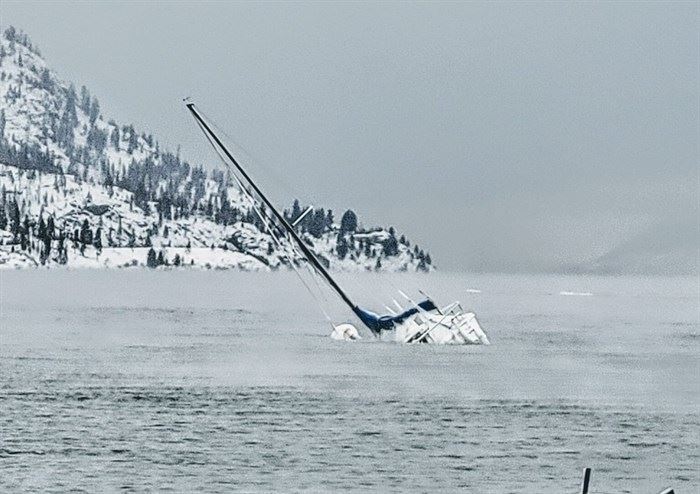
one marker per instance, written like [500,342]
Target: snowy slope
[111,194]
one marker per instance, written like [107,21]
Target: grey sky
[509,136]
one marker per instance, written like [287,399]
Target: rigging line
[266,221]
[250,159]
[267,225]
[289,258]
[308,254]
[247,155]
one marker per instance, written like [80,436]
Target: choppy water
[221,381]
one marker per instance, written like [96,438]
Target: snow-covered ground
[62,161]
[128,232]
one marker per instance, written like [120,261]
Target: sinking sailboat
[417,322]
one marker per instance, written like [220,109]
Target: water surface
[220,381]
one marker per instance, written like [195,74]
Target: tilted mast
[310,256]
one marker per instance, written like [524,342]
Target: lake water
[223,381]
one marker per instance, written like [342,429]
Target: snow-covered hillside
[83,191]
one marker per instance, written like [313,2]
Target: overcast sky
[508,136]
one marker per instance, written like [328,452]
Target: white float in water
[345,331]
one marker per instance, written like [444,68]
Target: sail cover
[377,323]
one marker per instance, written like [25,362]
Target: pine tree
[94,111]
[329,220]
[46,82]
[296,211]
[115,138]
[41,234]
[133,140]
[69,120]
[391,246]
[151,260]
[97,242]
[50,227]
[318,223]
[341,247]
[85,233]
[348,223]
[84,100]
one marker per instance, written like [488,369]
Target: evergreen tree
[97,242]
[85,233]
[68,122]
[391,246]
[46,82]
[50,227]
[41,234]
[348,223]
[133,140]
[115,138]
[318,223]
[45,250]
[84,100]
[151,260]
[63,256]
[341,247]
[329,220]
[94,111]
[296,211]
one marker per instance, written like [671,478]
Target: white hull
[450,326]
[441,329]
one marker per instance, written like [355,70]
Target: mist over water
[222,380]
